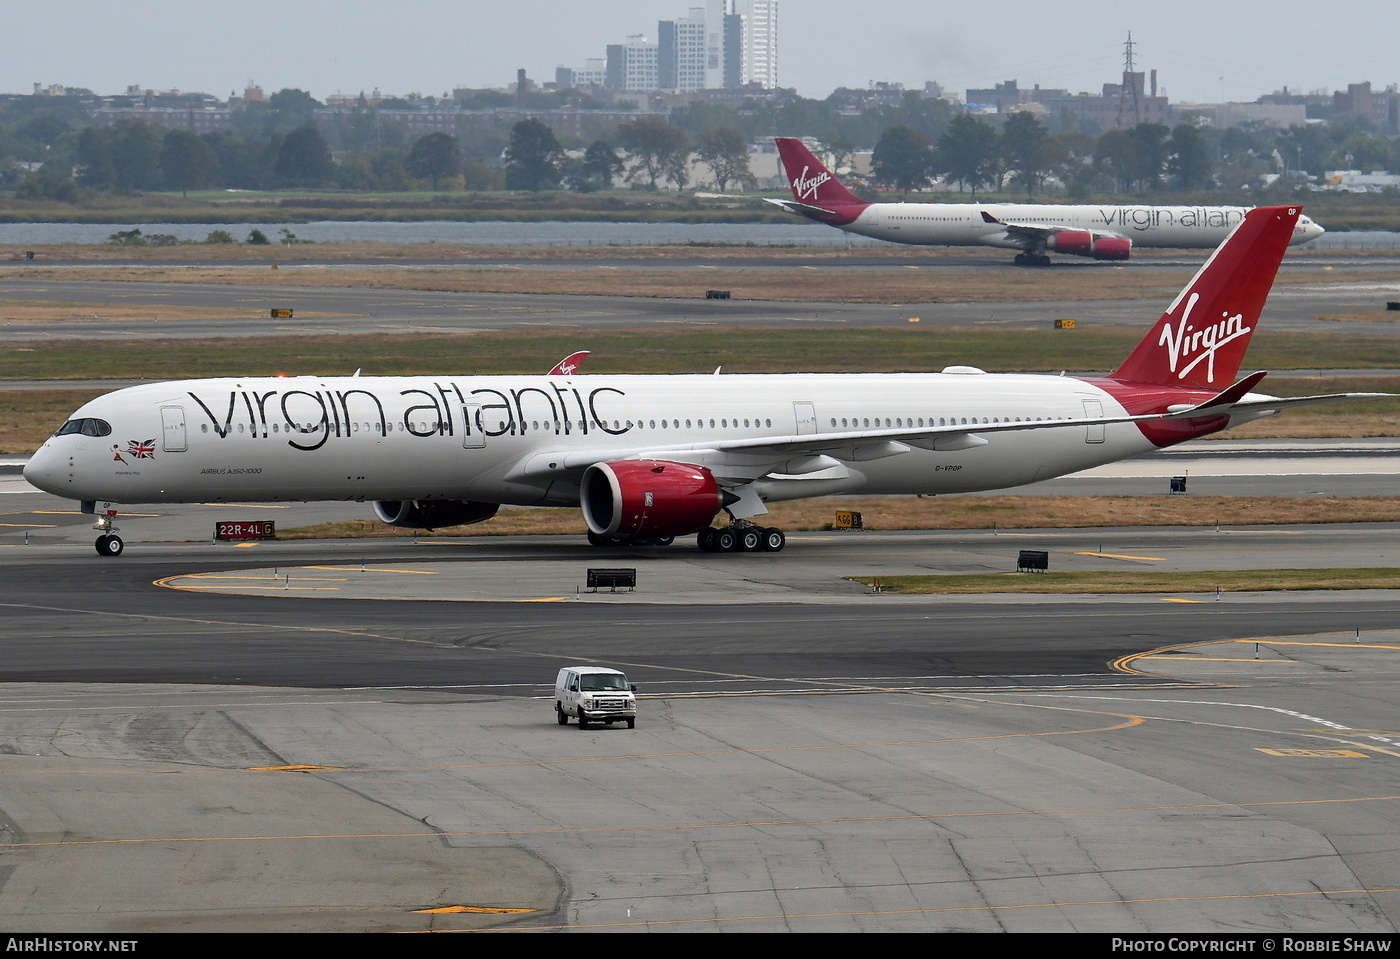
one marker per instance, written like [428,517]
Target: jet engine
[1084,243]
[635,498]
[432,513]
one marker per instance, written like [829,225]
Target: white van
[594,694]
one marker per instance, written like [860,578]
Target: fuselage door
[1093,410]
[172,433]
[472,436]
[806,415]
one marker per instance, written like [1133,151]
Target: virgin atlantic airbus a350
[649,458]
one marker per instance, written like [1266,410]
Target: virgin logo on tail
[805,187]
[1186,340]
[1228,294]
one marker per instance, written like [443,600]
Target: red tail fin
[1201,340]
[812,182]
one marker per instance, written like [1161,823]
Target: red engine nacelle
[1083,243]
[1077,242]
[627,498]
[1112,248]
[433,513]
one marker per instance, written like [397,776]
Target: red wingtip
[569,364]
[1201,340]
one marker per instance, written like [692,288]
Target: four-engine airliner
[1103,232]
[649,458]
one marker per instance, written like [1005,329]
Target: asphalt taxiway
[260,750]
[243,310]
[357,735]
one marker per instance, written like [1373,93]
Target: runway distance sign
[246,529]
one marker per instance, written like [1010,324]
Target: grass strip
[1204,581]
[808,345]
[903,286]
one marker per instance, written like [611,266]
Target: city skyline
[1202,53]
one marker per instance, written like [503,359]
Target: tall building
[594,73]
[760,41]
[633,65]
[733,42]
[723,44]
[690,51]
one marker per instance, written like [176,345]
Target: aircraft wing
[1274,403]
[1040,231]
[735,462]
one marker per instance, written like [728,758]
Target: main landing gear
[738,537]
[742,537]
[1031,259]
[109,543]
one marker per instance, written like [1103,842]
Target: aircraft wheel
[706,539]
[109,545]
[726,541]
[1042,260]
[773,540]
[559,712]
[1020,259]
[750,540]
[662,540]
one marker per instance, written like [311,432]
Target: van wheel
[559,712]
[582,721]
[632,723]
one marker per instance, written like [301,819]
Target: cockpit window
[88,426]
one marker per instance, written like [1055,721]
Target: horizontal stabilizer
[1226,397]
[802,209]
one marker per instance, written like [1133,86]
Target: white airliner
[649,458]
[1104,232]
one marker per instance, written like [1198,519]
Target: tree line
[285,143]
[1023,154]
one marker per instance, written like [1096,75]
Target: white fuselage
[962,224]
[505,439]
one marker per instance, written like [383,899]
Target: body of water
[476,234]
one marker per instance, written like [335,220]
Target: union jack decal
[141,449]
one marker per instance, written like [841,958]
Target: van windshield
[604,682]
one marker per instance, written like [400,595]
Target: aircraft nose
[1311,231]
[47,470]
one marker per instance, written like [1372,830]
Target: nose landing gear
[109,543]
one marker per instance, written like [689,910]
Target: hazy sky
[1203,50]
